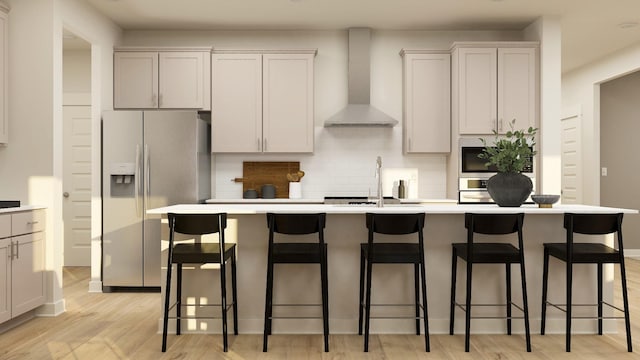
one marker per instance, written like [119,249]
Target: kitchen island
[345,230]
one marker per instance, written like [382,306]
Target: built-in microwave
[473,166]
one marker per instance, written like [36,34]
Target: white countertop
[21,208]
[316,201]
[240,209]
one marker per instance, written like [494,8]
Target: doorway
[76,180]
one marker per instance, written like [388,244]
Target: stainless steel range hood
[359,111]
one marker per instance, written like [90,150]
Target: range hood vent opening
[359,111]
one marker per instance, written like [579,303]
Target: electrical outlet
[603,171]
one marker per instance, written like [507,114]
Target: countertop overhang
[248,209]
[21,208]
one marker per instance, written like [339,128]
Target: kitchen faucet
[380,201]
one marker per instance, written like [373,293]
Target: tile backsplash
[343,164]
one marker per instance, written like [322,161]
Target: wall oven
[473,174]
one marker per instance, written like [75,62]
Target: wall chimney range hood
[359,111]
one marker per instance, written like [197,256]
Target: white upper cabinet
[236,92]
[494,84]
[427,101]
[4,74]
[162,79]
[262,101]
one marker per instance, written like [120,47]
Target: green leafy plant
[512,152]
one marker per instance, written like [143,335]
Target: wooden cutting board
[257,173]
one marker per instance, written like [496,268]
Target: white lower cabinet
[22,263]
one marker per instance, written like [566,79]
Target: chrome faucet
[380,201]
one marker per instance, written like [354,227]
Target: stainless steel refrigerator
[150,159]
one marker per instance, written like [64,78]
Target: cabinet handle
[500,125]
[160,100]
[18,249]
[11,251]
[154,100]
[32,222]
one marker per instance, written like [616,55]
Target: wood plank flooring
[124,326]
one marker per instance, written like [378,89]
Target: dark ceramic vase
[509,189]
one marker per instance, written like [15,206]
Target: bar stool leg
[267,306]
[625,298]
[234,289]
[325,298]
[167,296]
[223,304]
[525,303]
[467,326]
[569,299]
[416,278]
[361,301]
[508,288]
[178,298]
[599,298]
[545,276]
[424,305]
[367,308]
[454,267]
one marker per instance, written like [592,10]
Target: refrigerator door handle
[136,180]
[147,175]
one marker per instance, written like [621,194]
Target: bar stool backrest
[395,224]
[593,224]
[197,224]
[296,224]
[493,224]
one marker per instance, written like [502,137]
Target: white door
[77,185]
[571,159]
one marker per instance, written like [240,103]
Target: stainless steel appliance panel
[122,226]
[170,152]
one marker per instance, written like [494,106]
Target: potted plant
[510,154]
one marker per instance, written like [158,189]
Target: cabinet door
[517,88]
[5,279]
[477,102]
[236,103]
[135,80]
[27,284]
[427,103]
[4,80]
[181,80]
[288,103]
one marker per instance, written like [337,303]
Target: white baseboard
[51,309]
[632,253]
[95,286]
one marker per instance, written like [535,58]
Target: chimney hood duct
[359,112]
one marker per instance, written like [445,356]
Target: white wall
[344,159]
[76,71]
[548,32]
[31,165]
[581,89]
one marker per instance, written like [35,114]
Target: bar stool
[393,253]
[200,253]
[490,253]
[296,253]
[587,253]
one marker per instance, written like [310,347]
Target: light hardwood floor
[124,326]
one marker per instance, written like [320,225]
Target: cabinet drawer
[27,222]
[5,226]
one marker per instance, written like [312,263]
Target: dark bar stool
[490,253]
[200,253]
[587,253]
[296,253]
[393,253]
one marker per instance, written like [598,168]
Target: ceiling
[590,28]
